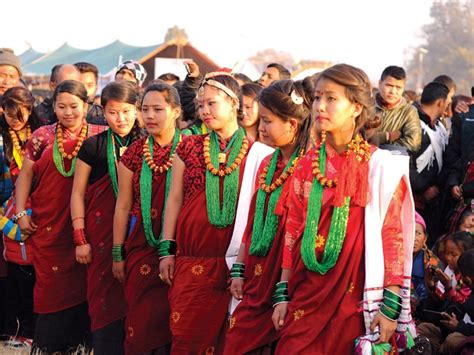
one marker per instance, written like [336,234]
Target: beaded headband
[208,81]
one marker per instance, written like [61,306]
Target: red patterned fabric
[60,280]
[105,294]
[190,151]
[261,274]
[147,322]
[199,298]
[323,305]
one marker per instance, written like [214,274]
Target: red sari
[105,294]
[147,322]
[60,280]
[199,298]
[261,274]
[324,314]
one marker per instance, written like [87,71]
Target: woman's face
[216,109]
[158,115]
[250,112]
[273,130]
[14,122]
[70,110]
[332,111]
[120,116]
[467,224]
[420,238]
[452,254]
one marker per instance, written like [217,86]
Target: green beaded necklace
[59,160]
[146,178]
[337,229]
[264,228]
[112,158]
[224,217]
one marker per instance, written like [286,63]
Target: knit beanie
[137,69]
[8,57]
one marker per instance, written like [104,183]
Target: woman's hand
[429,278]
[386,326]
[450,320]
[236,287]
[84,254]
[279,314]
[443,278]
[167,269]
[456,192]
[118,270]
[26,224]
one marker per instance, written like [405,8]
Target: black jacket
[45,112]
[429,176]
[460,151]
[46,116]
[467,307]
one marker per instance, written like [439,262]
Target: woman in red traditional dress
[18,122]
[199,220]
[285,124]
[144,177]
[46,177]
[93,197]
[250,119]
[347,200]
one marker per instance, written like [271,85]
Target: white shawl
[257,153]
[385,172]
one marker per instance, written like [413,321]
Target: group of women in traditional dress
[287,235]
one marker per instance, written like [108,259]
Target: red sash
[147,322]
[261,274]
[105,294]
[60,280]
[199,298]
[323,306]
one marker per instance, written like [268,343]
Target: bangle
[166,248]
[118,252]
[281,293]
[76,218]
[79,237]
[392,305]
[237,271]
[20,214]
[385,315]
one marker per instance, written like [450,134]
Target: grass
[26,351]
[8,351]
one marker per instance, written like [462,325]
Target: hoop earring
[294,139]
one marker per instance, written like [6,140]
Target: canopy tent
[29,56]
[107,58]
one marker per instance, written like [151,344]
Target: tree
[448,46]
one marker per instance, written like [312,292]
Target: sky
[370,34]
